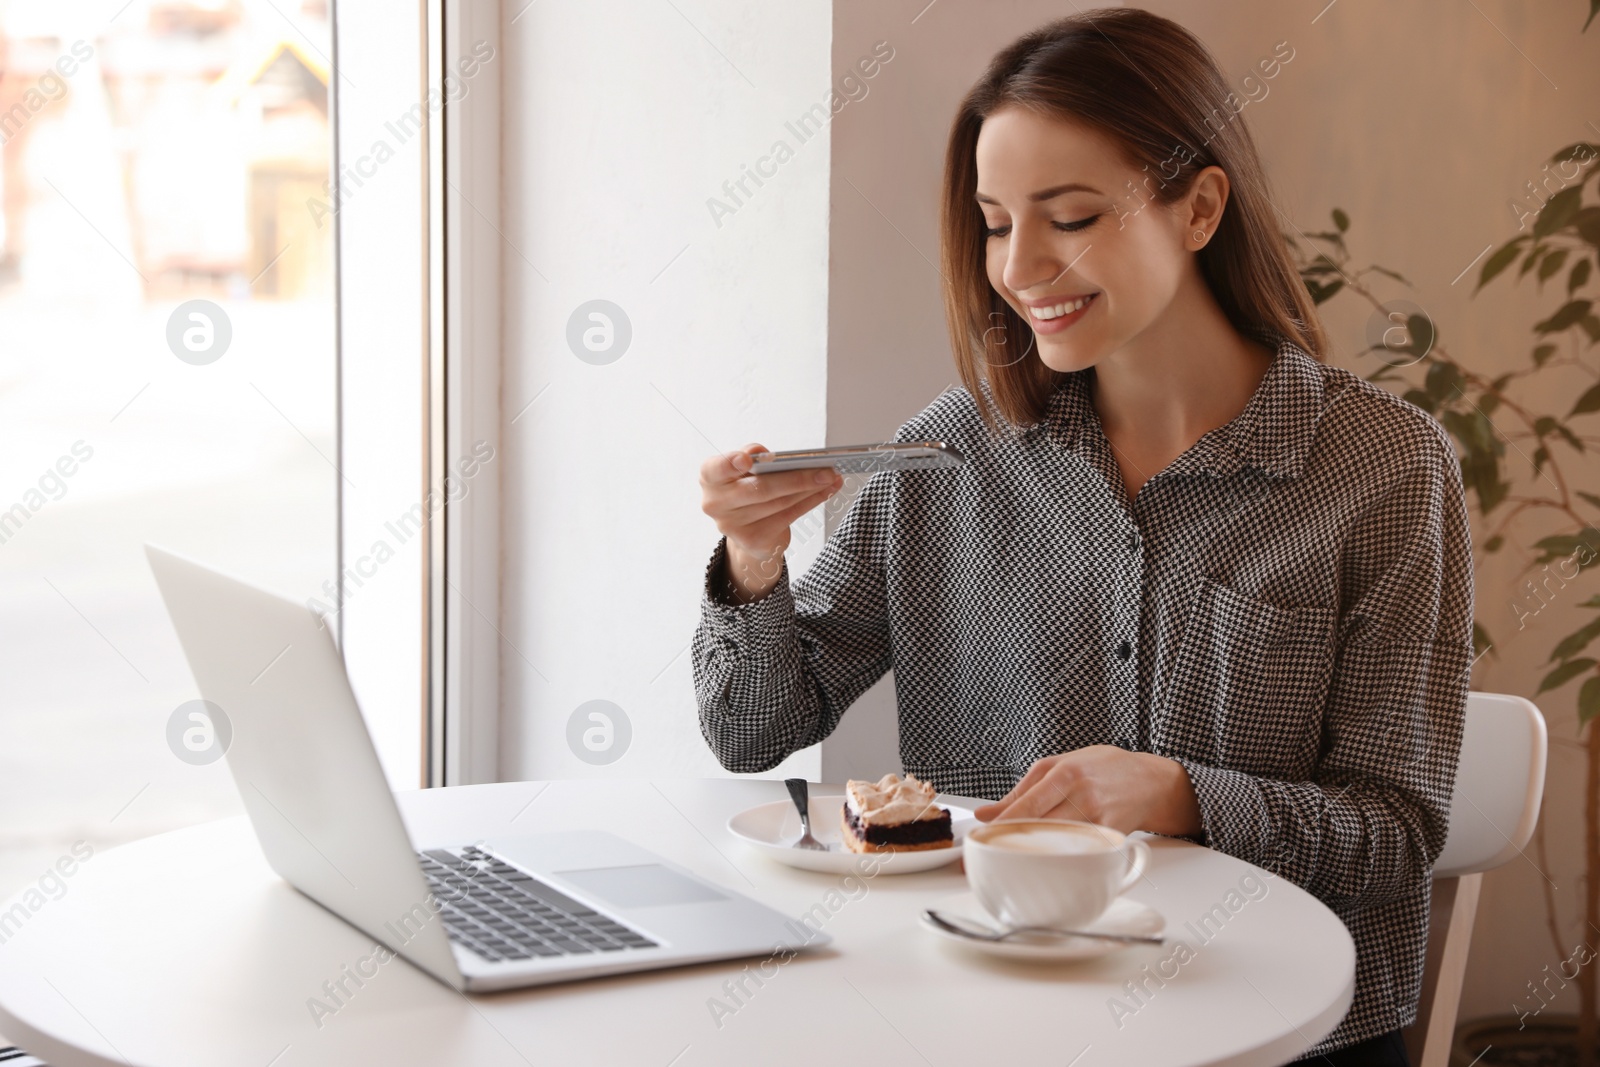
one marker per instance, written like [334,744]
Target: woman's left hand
[1106,785]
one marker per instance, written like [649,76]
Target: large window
[166,375]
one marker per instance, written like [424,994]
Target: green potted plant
[1529,479]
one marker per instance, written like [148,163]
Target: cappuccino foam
[1050,840]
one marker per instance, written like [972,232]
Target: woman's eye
[1068,227]
[1074,227]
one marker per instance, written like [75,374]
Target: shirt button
[1133,541]
[1124,650]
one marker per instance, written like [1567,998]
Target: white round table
[187,949]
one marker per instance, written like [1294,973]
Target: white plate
[1125,916]
[772,829]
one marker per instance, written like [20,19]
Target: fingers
[758,487]
[780,520]
[1043,793]
[1036,772]
[1038,802]
[991,812]
[728,474]
[1028,781]
[726,467]
[757,508]
[794,511]
[747,514]
[754,512]
[1002,807]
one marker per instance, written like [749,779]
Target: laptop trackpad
[644,885]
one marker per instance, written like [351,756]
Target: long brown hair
[1151,87]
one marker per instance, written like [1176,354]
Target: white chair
[1499,784]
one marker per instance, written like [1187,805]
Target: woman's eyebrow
[1045,194]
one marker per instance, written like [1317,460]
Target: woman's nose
[1030,261]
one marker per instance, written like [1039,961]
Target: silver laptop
[495,914]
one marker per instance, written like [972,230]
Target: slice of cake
[893,814]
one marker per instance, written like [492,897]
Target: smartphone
[889,455]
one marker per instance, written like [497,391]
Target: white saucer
[772,829]
[1125,916]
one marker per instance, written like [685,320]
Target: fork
[800,794]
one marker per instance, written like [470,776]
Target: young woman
[1191,580]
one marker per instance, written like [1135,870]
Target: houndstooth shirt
[1285,611]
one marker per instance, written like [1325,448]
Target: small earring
[1199,235]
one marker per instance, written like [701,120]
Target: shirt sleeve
[1371,824]
[775,675]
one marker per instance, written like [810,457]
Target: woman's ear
[1207,197]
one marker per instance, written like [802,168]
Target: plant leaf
[1579,150]
[1480,639]
[1500,260]
[1576,641]
[1474,431]
[1484,478]
[1341,220]
[1420,329]
[1491,490]
[1566,315]
[1580,270]
[1564,674]
[1480,465]
[1421,399]
[1594,501]
[1321,293]
[1533,257]
[1587,222]
[1555,547]
[1557,211]
[1589,701]
[1494,543]
[1552,263]
[1589,401]
[1543,352]
[1445,380]
[1559,545]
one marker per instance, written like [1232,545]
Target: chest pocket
[1249,682]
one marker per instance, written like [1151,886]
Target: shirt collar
[1273,433]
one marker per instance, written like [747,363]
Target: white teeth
[1046,314]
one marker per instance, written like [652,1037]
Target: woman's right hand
[754,512]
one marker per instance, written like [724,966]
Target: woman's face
[1091,237]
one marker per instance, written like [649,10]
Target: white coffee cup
[1050,872]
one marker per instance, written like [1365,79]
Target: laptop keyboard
[502,912]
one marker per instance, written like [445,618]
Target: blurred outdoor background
[173,163]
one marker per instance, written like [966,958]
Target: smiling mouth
[1062,313]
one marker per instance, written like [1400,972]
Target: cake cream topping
[891,799]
